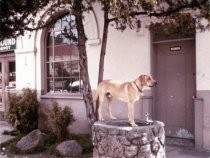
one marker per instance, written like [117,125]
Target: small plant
[60,119]
[24,111]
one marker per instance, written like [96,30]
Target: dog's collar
[138,87]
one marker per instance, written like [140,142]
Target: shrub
[24,111]
[60,119]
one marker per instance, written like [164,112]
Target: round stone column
[117,139]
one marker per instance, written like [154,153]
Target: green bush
[23,111]
[60,119]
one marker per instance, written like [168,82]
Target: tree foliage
[131,12]
[16,15]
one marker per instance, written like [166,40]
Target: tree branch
[168,12]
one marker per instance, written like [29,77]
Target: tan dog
[128,92]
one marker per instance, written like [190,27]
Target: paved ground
[172,151]
[4,126]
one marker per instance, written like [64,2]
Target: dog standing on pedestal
[128,92]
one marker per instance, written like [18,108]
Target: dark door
[176,87]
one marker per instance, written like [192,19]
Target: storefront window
[62,58]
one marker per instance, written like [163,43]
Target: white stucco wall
[128,55]
[202,83]
[25,62]
[202,60]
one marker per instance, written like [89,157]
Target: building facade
[45,60]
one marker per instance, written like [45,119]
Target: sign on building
[7,45]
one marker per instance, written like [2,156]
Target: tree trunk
[103,50]
[103,47]
[86,90]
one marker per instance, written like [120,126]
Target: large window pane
[75,68]
[74,52]
[62,52]
[67,69]
[58,84]
[62,69]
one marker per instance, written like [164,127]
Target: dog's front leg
[110,109]
[131,114]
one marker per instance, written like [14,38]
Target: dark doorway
[175,72]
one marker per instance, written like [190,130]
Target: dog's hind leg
[109,99]
[101,100]
[110,109]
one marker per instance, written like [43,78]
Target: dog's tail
[96,96]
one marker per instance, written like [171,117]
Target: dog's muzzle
[153,84]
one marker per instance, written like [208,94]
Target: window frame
[46,61]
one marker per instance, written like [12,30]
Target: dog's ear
[142,78]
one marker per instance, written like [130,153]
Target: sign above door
[7,45]
[175,48]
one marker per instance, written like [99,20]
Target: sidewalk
[4,126]
[172,151]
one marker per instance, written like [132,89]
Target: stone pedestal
[117,139]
